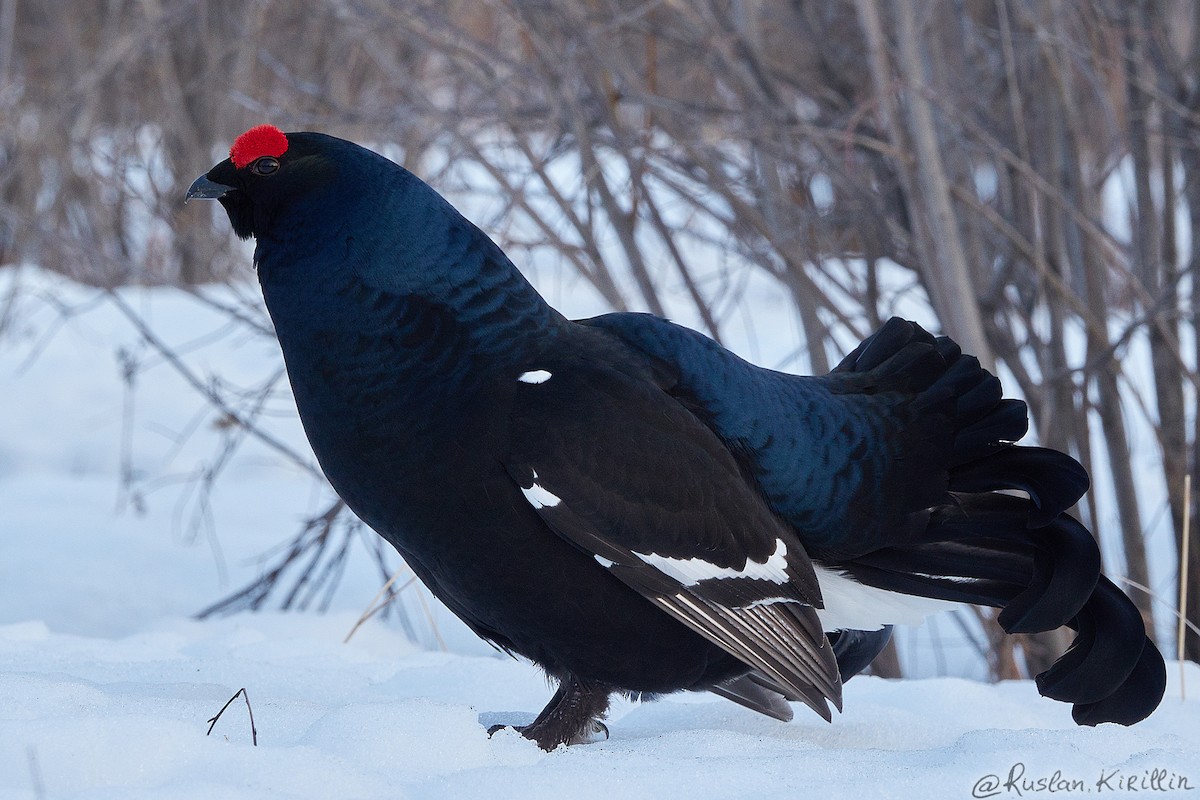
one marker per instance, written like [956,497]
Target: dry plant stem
[35,773]
[205,390]
[312,542]
[433,626]
[1146,590]
[245,696]
[375,605]
[1183,577]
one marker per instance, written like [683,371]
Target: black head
[270,172]
[316,203]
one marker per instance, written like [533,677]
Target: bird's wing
[617,467]
[826,461]
[853,459]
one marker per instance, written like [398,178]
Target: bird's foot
[571,717]
[594,731]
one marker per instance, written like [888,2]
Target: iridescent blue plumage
[628,504]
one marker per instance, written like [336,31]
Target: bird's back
[632,506]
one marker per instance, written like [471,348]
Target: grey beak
[206,189]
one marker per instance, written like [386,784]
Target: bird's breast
[395,404]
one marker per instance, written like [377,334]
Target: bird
[629,505]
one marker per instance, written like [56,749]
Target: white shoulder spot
[540,497]
[690,571]
[535,376]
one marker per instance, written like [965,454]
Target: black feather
[633,507]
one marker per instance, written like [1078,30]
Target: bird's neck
[344,327]
[405,246]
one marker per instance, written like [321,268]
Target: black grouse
[629,505]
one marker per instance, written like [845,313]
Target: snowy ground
[106,682]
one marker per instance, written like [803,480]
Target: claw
[597,731]
[494,729]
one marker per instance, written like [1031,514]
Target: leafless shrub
[968,145]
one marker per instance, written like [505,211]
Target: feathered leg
[571,717]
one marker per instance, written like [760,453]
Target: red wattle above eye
[263,140]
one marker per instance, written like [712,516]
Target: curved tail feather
[1136,697]
[1111,672]
[855,650]
[1053,481]
[978,544]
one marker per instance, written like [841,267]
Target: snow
[125,717]
[107,681]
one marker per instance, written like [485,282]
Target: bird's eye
[265,165]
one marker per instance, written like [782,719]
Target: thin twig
[375,606]
[433,626]
[315,536]
[206,391]
[212,723]
[35,773]
[1154,596]
[1183,576]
